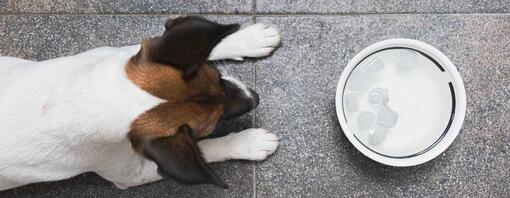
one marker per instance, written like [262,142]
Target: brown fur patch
[196,102]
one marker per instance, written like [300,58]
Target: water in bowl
[397,103]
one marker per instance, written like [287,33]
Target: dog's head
[174,67]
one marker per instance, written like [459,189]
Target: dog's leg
[253,41]
[12,61]
[250,144]
[6,184]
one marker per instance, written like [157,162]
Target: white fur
[250,144]
[70,115]
[253,41]
[66,116]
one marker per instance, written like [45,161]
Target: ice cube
[377,136]
[351,101]
[387,117]
[407,59]
[374,65]
[378,96]
[366,120]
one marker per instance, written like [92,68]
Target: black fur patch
[188,41]
[178,157]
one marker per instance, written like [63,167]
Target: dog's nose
[255,98]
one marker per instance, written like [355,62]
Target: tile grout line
[254,118]
[252,14]
[124,14]
[373,13]
[254,121]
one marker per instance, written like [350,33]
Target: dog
[133,114]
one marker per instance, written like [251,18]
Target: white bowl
[401,102]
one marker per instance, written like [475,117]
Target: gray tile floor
[297,85]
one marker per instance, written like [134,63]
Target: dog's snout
[255,98]
[239,99]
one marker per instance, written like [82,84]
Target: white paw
[121,186]
[253,144]
[256,40]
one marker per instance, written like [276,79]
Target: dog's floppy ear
[188,41]
[178,157]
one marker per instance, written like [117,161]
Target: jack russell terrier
[133,114]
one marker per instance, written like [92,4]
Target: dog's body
[81,113]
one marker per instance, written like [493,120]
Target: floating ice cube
[387,117]
[407,59]
[351,101]
[377,136]
[378,96]
[366,120]
[374,65]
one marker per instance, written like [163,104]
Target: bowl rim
[459,92]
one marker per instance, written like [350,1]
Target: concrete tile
[382,6]
[45,37]
[38,37]
[297,89]
[5,6]
[132,6]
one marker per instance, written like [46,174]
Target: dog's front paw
[253,144]
[259,40]
[253,41]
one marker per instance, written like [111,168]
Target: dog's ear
[188,41]
[178,157]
